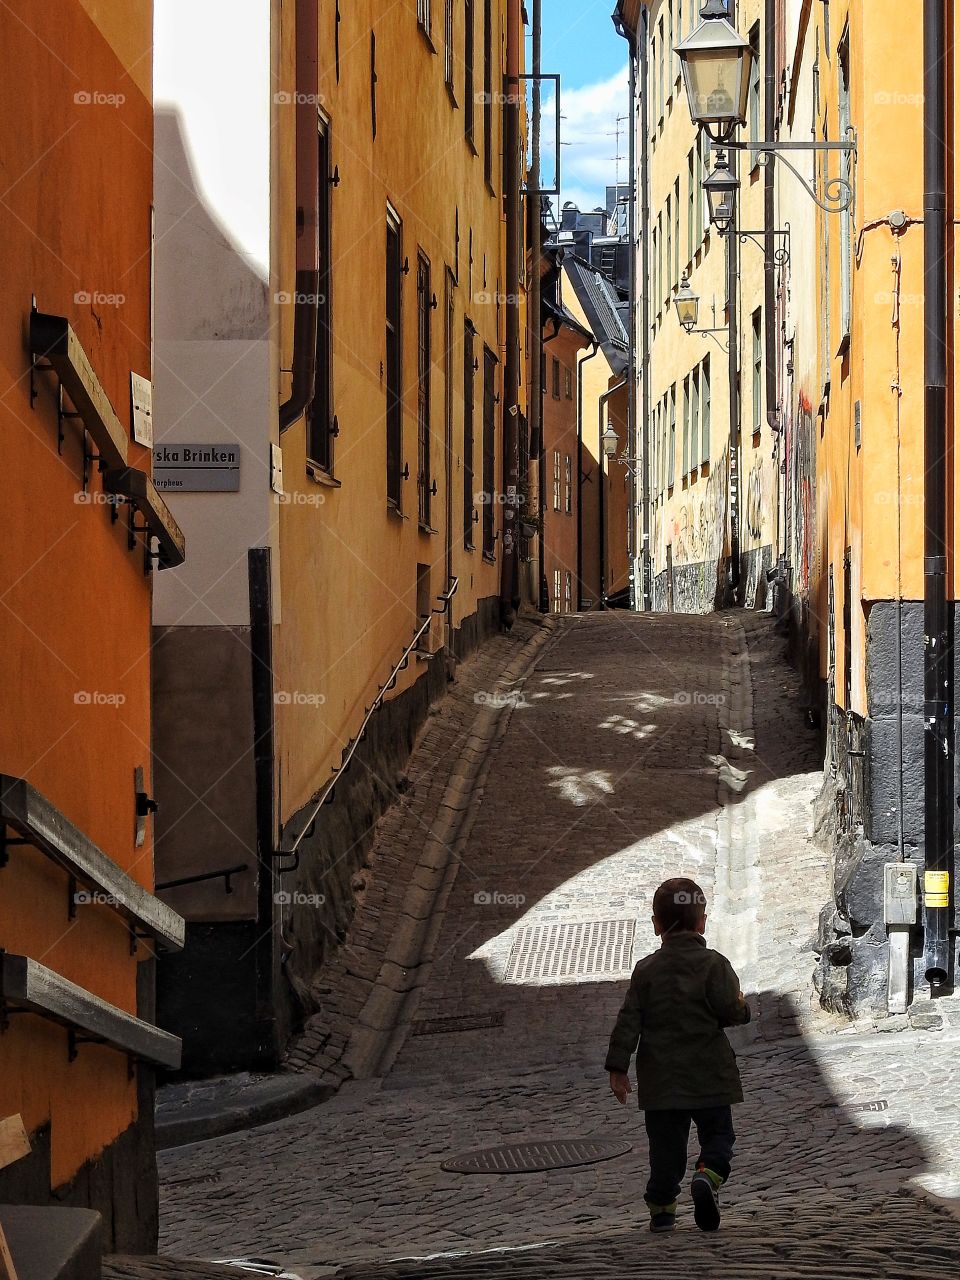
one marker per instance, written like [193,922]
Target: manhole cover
[461,1022]
[531,1157]
[571,950]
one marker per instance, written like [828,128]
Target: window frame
[424,396]
[393,365]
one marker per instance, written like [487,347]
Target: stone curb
[274,1101]
[384,1021]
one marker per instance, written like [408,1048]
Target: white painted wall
[215,367]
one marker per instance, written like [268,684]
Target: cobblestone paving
[640,748]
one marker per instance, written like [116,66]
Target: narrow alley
[626,749]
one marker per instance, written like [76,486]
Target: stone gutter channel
[378,1025]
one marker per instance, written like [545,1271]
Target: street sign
[197,468]
[141,399]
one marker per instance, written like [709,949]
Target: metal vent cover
[571,950]
[458,1022]
[534,1157]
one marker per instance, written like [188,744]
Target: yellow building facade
[363,330]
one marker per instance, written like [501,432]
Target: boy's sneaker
[704,1186]
[663,1217]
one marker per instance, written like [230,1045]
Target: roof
[564,316]
[600,302]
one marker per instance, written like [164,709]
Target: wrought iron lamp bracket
[781,255]
[838,192]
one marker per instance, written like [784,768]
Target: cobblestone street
[619,750]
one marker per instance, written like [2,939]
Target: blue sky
[579,42]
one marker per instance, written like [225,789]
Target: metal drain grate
[532,1157]
[459,1022]
[571,950]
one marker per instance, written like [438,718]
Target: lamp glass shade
[716,63]
[688,305]
[610,441]
[721,187]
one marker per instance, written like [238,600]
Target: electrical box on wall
[900,893]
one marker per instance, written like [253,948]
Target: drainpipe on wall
[938,649]
[732,242]
[601,406]
[580,364]
[769,215]
[509,568]
[633,445]
[304,364]
[534,318]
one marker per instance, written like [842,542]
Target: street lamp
[721,187]
[610,440]
[716,62]
[687,304]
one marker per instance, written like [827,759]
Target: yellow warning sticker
[936,888]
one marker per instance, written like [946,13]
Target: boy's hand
[620,1084]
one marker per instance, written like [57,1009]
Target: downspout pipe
[509,567]
[633,435]
[534,316]
[601,408]
[769,215]
[580,364]
[732,242]
[645,408]
[306,306]
[937,648]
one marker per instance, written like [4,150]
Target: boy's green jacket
[680,999]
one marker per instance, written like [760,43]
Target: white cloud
[589,124]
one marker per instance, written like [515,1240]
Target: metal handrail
[348,751]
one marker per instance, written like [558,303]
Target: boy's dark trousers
[668,1132]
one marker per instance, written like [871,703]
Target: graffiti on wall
[698,528]
[755,505]
[803,532]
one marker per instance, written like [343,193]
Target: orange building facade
[79,924]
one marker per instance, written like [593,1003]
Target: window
[670,56]
[469,370]
[556,591]
[423,387]
[705,409]
[686,427]
[568,592]
[568,485]
[489,459]
[320,409]
[423,16]
[692,241]
[662,98]
[757,370]
[665,282]
[556,378]
[468,57]
[672,444]
[448,56]
[694,419]
[373,82]
[676,231]
[556,479]
[487,92]
[449,329]
[394,372]
[653,272]
[846,216]
[543,373]
[568,383]
[754,100]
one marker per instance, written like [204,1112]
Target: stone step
[51,1243]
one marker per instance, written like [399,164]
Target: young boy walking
[680,999]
